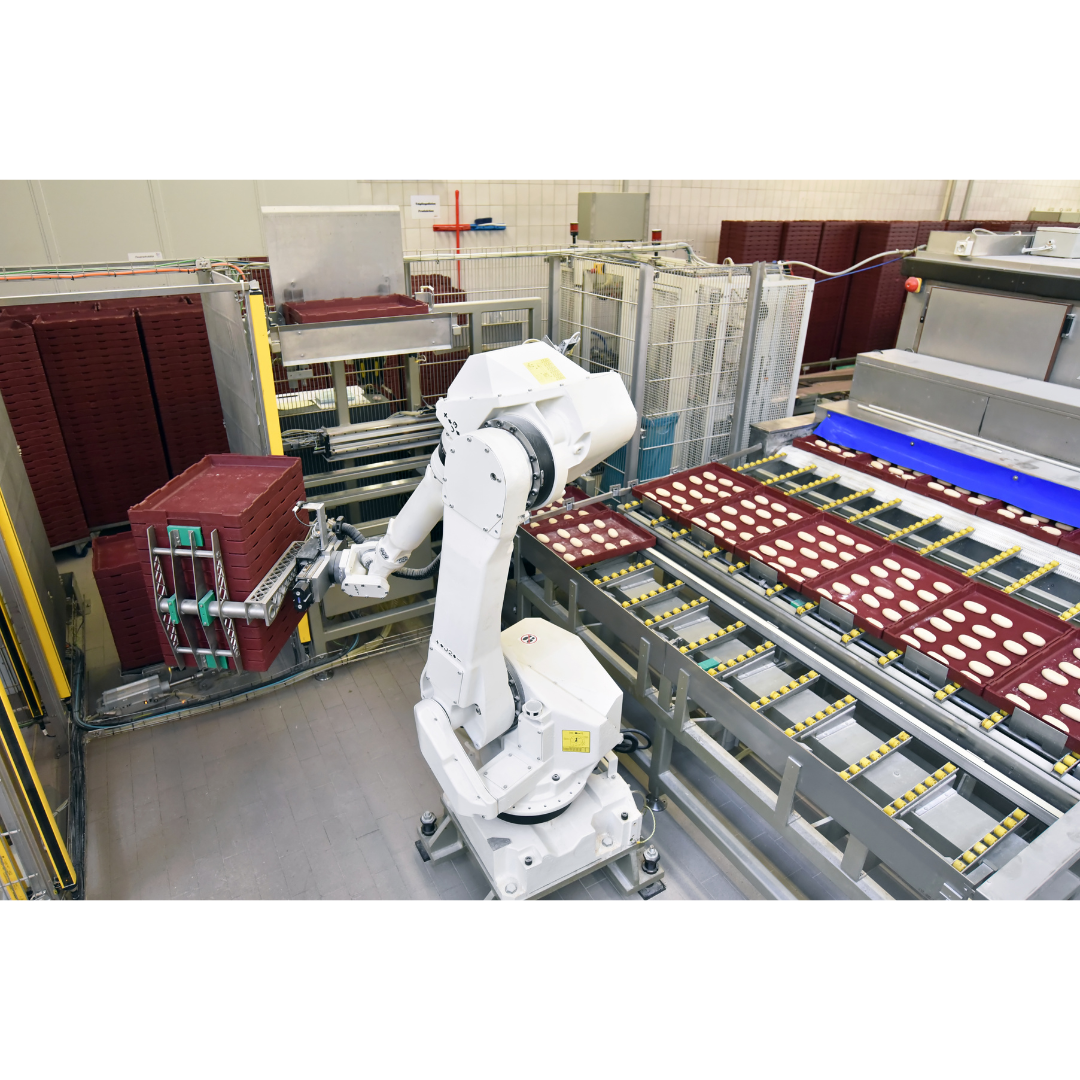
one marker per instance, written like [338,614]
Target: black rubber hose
[351,531]
[420,574]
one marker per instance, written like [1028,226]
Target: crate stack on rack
[185,387]
[37,431]
[249,501]
[118,573]
[97,379]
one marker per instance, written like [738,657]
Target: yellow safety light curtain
[21,768]
[31,600]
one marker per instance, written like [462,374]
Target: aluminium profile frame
[680,681]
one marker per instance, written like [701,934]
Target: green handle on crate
[187,535]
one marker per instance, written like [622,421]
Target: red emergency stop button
[913,284]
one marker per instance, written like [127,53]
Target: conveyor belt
[982,550]
[877,798]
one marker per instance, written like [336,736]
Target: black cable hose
[632,741]
[421,573]
[351,531]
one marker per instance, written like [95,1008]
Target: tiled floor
[312,792]
[315,791]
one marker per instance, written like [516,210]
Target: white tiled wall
[69,221]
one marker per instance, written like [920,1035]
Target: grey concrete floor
[312,792]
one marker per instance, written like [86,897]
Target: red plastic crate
[811,549]
[889,587]
[355,307]
[693,490]
[1047,686]
[117,568]
[1050,532]
[249,501]
[587,535]
[853,459]
[746,518]
[750,241]
[979,635]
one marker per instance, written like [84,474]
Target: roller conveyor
[876,766]
[977,549]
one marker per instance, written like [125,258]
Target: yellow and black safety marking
[921,788]
[821,714]
[981,847]
[11,881]
[1027,579]
[19,666]
[28,789]
[915,527]
[978,568]
[884,750]
[873,511]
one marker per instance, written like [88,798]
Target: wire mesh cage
[696,323]
[448,279]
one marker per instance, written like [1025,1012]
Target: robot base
[524,862]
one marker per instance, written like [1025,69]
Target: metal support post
[746,358]
[639,376]
[785,799]
[341,391]
[340,376]
[475,333]
[413,396]
[554,277]
[659,763]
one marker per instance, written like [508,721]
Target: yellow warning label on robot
[576,741]
[544,370]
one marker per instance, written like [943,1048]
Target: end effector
[338,553]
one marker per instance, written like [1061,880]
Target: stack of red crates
[836,251]
[750,241]
[97,378]
[37,431]
[352,307]
[249,501]
[876,299]
[118,572]
[185,387]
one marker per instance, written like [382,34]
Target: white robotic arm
[519,423]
